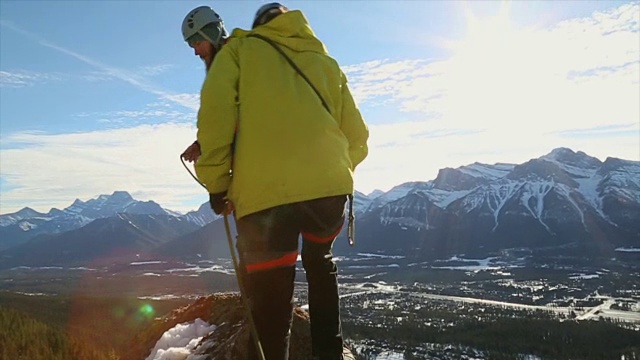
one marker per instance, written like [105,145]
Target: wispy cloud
[153,70]
[190,101]
[97,76]
[162,111]
[154,113]
[149,70]
[23,78]
[130,77]
[20,78]
[628,130]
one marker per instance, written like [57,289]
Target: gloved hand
[218,202]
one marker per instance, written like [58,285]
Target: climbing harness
[236,267]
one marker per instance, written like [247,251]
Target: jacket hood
[290,29]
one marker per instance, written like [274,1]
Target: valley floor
[419,309]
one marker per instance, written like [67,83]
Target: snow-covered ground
[179,342]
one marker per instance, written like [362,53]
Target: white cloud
[50,170]
[513,94]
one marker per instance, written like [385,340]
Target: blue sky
[98,96]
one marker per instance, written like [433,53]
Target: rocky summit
[230,339]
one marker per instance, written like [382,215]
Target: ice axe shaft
[236,267]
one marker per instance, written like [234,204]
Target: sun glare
[492,31]
[490,45]
[492,71]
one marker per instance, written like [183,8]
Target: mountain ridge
[559,198]
[25,224]
[563,197]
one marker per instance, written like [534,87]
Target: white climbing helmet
[202,23]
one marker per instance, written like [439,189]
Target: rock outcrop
[230,339]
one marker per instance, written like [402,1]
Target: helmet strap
[206,37]
[216,43]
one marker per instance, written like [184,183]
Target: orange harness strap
[321,239]
[286,260]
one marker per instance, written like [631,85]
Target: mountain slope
[206,243]
[19,227]
[124,236]
[561,198]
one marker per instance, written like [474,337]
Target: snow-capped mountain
[25,213]
[361,202]
[109,205]
[561,198]
[27,223]
[202,216]
[397,192]
[105,240]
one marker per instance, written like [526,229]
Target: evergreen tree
[22,337]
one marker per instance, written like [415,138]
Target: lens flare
[147,310]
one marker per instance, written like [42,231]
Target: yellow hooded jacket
[288,148]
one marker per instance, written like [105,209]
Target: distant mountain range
[27,223]
[563,201]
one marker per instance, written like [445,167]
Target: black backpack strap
[293,65]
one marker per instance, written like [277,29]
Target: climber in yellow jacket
[284,162]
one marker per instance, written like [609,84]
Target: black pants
[268,246]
